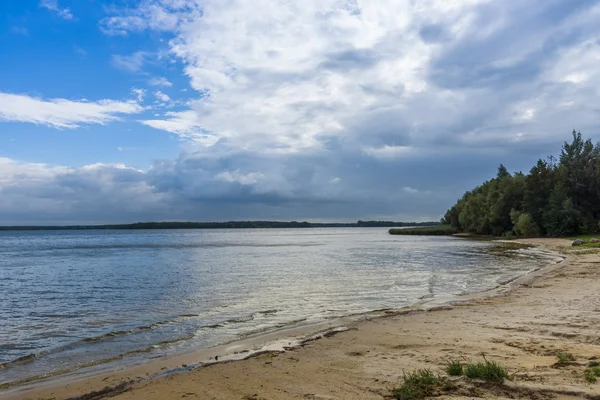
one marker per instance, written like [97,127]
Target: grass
[439,230]
[594,364]
[587,238]
[421,384]
[591,375]
[565,357]
[489,371]
[454,368]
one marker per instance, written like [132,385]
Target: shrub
[421,384]
[591,375]
[565,357]
[454,368]
[488,371]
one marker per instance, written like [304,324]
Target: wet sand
[522,326]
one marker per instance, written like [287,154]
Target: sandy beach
[522,326]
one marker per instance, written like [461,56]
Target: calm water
[71,299]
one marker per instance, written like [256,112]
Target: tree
[555,198]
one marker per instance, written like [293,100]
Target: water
[73,299]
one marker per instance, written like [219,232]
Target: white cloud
[186,124]
[62,113]
[162,96]
[139,94]
[52,5]
[388,78]
[413,191]
[42,192]
[160,81]
[130,63]
[82,52]
[162,15]
[243,179]
[19,30]
[284,79]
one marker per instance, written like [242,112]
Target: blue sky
[131,110]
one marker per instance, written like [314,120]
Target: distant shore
[221,225]
[522,325]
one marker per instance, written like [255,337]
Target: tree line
[557,198]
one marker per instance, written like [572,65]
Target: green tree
[555,198]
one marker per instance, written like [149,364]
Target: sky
[324,110]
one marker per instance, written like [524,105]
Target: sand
[522,326]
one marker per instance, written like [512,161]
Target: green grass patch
[587,238]
[594,364]
[591,375]
[565,357]
[438,230]
[421,384]
[489,371]
[454,368]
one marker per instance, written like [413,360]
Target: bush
[591,375]
[488,371]
[454,368]
[565,357]
[421,384]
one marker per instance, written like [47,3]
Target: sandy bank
[557,310]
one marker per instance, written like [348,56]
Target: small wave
[272,327]
[268,312]
[171,246]
[110,335]
[240,320]
[88,364]
[129,331]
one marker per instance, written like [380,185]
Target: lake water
[73,299]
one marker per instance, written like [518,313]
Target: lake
[70,300]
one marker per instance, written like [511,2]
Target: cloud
[343,109]
[78,50]
[161,15]
[390,78]
[41,193]
[162,96]
[62,113]
[160,81]
[19,30]
[130,63]
[186,124]
[210,183]
[52,5]
[139,94]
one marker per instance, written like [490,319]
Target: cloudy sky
[144,110]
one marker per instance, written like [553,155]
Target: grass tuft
[591,375]
[489,371]
[565,357]
[454,368]
[594,364]
[421,384]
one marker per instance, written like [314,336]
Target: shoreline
[278,341]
